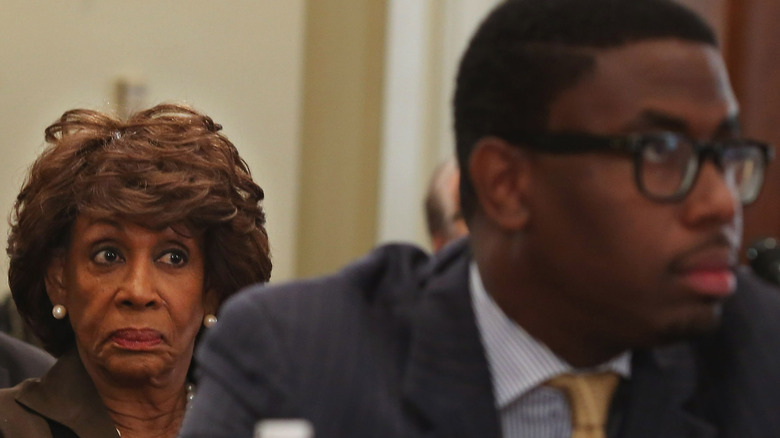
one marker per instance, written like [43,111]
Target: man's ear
[55,279]
[500,173]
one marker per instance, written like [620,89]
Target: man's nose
[713,198]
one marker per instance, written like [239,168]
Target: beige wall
[240,61]
[341,132]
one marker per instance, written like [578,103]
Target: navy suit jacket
[389,347]
[19,361]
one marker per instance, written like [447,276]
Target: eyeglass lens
[669,164]
[744,168]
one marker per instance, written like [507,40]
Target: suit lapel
[739,363]
[67,396]
[447,382]
[659,395]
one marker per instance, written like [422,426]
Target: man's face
[636,270]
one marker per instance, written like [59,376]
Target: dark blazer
[389,347]
[19,361]
[64,398]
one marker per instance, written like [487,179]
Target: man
[442,206]
[20,361]
[602,177]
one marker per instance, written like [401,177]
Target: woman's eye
[106,256]
[174,258]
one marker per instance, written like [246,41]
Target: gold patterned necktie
[589,398]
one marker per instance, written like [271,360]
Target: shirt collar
[519,362]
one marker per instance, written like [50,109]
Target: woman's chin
[137,369]
[136,366]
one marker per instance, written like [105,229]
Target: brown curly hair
[165,166]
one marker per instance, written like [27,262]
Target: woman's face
[134,296]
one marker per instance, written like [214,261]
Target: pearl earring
[59,311]
[209,320]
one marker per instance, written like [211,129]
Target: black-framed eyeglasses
[666,164]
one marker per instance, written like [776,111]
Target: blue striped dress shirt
[519,364]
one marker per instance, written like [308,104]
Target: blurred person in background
[11,322]
[20,361]
[125,239]
[442,206]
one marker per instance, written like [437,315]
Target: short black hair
[528,51]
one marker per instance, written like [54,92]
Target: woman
[125,239]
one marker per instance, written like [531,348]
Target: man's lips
[136,339]
[708,272]
[716,283]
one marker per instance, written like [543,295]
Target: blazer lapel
[659,395]
[67,395]
[447,382]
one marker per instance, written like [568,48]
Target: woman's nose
[137,290]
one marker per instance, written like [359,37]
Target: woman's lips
[136,339]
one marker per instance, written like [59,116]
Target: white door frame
[425,39]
